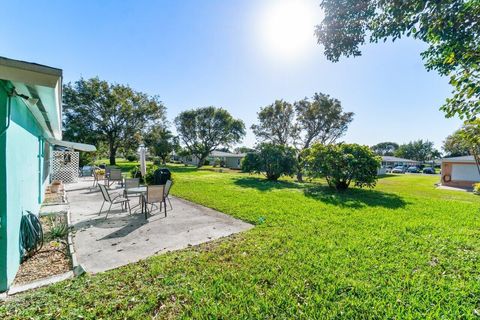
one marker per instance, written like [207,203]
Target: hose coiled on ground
[31,235]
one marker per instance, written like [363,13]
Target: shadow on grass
[355,198]
[264,184]
[351,198]
[390,175]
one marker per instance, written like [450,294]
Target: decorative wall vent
[65,166]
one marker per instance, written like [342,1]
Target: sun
[286,28]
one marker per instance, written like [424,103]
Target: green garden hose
[31,235]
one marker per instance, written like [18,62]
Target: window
[46,160]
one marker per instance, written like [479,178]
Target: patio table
[140,190]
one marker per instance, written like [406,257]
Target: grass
[402,250]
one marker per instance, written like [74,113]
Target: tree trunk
[113,154]
[201,161]
[299,169]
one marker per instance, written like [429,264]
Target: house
[390,161]
[30,125]
[227,159]
[459,171]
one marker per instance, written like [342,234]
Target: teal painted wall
[24,184]
[3,194]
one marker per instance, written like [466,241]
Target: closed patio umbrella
[143,165]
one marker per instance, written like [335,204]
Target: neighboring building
[30,125]
[459,171]
[389,161]
[228,160]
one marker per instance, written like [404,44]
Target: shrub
[271,160]
[341,164]
[206,162]
[476,188]
[131,157]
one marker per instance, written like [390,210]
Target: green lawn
[402,250]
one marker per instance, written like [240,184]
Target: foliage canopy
[341,164]
[204,130]
[96,111]
[272,160]
[449,27]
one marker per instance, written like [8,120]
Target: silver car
[398,169]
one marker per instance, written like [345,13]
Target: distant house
[390,161]
[459,171]
[227,159]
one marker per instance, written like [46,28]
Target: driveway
[102,244]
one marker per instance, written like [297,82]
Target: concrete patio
[102,244]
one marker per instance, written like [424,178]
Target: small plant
[476,188]
[58,228]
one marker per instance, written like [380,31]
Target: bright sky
[236,54]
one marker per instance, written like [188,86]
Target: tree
[276,123]
[244,149]
[417,150]
[470,133]
[385,148]
[96,111]
[320,120]
[455,145]
[161,142]
[272,160]
[204,130]
[450,28]
[341,164]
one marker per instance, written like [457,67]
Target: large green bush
[342,164]
[271,160]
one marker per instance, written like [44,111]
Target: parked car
[398,169]
[413,169]
[429,170]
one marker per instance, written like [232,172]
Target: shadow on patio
[102,244]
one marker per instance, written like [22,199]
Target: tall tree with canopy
[418,150]
[385,148]
[470,133]
[204,130]
[96,111]
[161,141]
[451,29]
[455,145]
[319,119]
[276,123]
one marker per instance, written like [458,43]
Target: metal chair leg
[171,207]
[101,208]
[129,209]
[108,211]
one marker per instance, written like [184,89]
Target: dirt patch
[53,258]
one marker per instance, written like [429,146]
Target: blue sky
[200,53]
